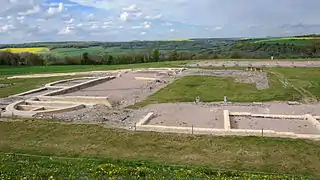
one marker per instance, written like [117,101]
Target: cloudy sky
[125,20]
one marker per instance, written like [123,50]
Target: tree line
[236,50]
[30,59]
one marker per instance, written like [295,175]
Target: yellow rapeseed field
[31,50]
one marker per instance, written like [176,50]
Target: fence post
[192,129]
[262,132]
[135,126]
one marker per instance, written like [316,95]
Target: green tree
[85,58]
[156,55]
[174,55]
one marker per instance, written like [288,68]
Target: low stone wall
[227,131]
[222,132]
[12,111]
[89,101]
[80,86]
[145,119]
[272,116]
[29,92]
[226,120]
[52,85]
[313,121]
[145,78]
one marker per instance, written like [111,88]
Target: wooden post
[262,132]
[135,126]
[192,129]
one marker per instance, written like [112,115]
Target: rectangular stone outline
[141,126]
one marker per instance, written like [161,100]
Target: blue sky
[125,20]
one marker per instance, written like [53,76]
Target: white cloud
[6,28]
[53,11]
[159,16]
[34,10]
[124,16]
[69,21]
[143,33]
[132,8]
[146,24]
[66,30]
[115,20]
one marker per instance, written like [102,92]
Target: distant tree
[34,60]
[85,58]
[156,55]
[174,55]
[72,60]
[236,55]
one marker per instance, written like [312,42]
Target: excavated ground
[126,90]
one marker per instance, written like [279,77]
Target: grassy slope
[40,167]
[241,153]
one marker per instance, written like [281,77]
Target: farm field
[30,50]
[87,142]
[299,41]
[115,51]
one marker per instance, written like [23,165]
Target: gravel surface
[279,125]
[186,115]
[125,90]
[123,118]
[211,115]
[260,79]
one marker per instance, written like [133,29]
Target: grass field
[305,82]
[299,41]
[40,167]
[31,50]
[213,89]
[269,155]
[115,51]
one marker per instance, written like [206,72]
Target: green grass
[11,71]
[306,82]
[211,89]
[39,167]
[307,79]
[298,41]
[269,155]
[17,86]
